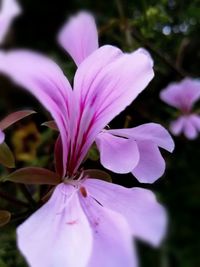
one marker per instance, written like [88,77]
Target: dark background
[170,31]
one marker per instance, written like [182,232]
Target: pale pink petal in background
[189,129]
[9,10]
[176,126]
[182,95]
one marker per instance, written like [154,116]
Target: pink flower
[183,96]
[88,222]
[9,10]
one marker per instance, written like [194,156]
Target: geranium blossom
[89,222]
[183,95]
[9,9]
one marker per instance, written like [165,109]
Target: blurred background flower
[25,141]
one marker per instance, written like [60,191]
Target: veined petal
[117,154]
[9,10]
[2,137]
[58,234]
[182,95]
[45,80]
[79,36]
[145,216]
[151,165]
[112,240]
[149,131]
[105,84]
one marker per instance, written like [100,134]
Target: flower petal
[2,137]
[176,126]
[9,10]
[117,154]
[151,165]
[149,131]
[145,216]
[45,80]
[79,36]
[59,231]
[190,130]
[195,120]
[182,95]
[105,84]
[112,240]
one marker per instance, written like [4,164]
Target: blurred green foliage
[169,29]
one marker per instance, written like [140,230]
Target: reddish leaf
[98,174]
[6,156]
[32,175]
[51,124]
[5,217]
[14,117]
[58,157]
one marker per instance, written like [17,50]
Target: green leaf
[6,156]
[98,174]
[32,175]
[93,153]
[14,117]
[5,217]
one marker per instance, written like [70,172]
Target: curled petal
[55,234]
[117,154]
[79,36]
[145,216]
[151,165]
[149,131]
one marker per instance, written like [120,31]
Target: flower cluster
[183,96]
